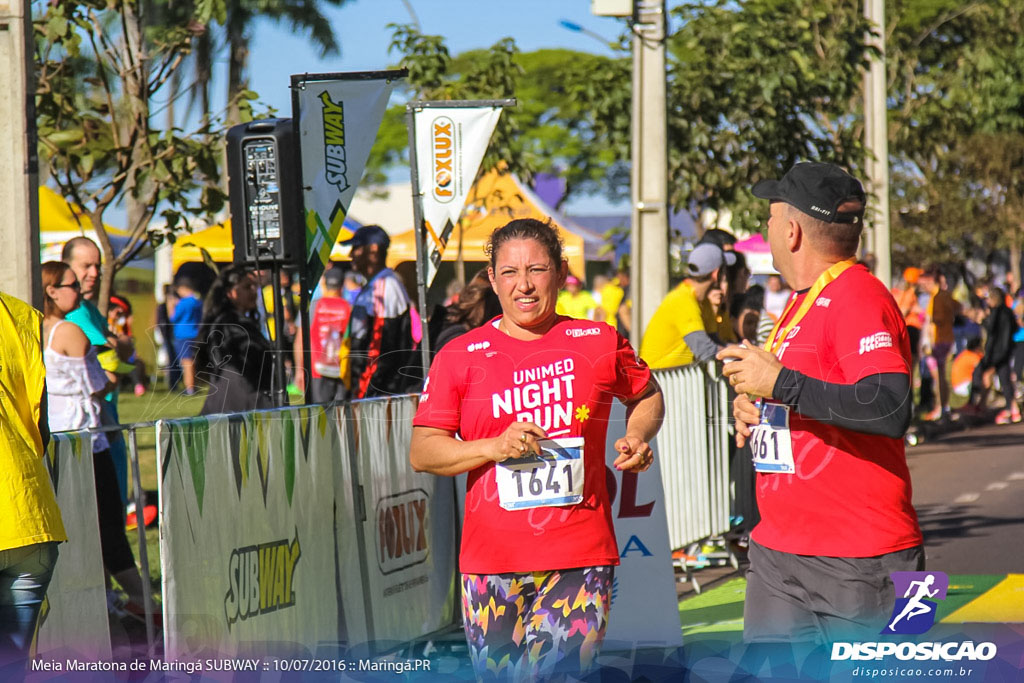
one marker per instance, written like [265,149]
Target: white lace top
[70,383]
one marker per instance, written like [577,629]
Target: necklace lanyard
[779,333]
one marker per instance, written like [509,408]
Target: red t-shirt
[326,330]
[850,495]
[484,381]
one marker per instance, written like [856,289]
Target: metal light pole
[577,28]
[876,140]
[649,183]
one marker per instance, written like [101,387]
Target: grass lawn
[155,404]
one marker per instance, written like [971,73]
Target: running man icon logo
[914,613]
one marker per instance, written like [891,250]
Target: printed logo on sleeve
[873,342]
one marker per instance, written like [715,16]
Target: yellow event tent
[494,200]
[59,222]
[216,240]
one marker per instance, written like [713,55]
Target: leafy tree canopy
[100,67]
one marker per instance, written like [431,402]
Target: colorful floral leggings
[523,625]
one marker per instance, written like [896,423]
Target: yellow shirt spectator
[612,295]
[576,302]
[28,507]
[663,344]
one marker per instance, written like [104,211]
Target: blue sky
[360,26]
[361,29]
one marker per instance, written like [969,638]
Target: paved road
[969,495]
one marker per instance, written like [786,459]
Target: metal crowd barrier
[693,446]
[130,432]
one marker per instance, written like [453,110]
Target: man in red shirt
[327,330]
[832,391]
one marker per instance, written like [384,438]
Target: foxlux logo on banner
[442,144]
[402,530]
[913,613]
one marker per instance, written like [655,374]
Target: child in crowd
[185,319]
[963,367]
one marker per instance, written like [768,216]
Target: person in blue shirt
[185,320]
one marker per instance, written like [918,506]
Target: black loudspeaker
[263,187]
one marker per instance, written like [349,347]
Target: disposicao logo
[913,613]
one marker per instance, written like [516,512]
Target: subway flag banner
[338,116]
[248,548]
[73,618]
[450,144]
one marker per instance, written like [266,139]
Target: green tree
[100,67]
[753,87]
[957,122]
[240,16]
[756,87]
[547,132]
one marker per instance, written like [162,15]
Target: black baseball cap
[817,189]
[369,234]
[334,277]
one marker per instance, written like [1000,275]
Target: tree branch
[945,18]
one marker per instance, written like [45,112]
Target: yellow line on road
[1001,604]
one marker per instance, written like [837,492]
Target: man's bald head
[84,257]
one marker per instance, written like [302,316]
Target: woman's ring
[522,437]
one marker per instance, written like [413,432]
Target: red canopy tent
[758,254]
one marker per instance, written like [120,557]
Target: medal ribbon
[779,333]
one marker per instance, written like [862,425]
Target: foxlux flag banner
[450,144]
[338,116]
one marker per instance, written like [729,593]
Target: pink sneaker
[1003,417]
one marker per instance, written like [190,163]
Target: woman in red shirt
[521,404]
